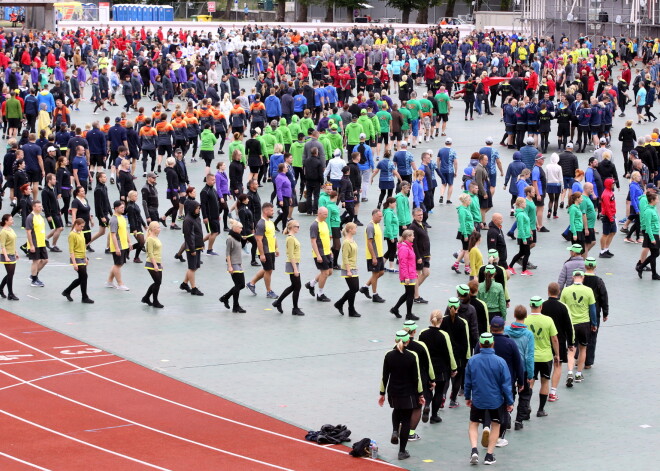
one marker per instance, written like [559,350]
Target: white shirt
[334,168]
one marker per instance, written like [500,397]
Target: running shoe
[485,436]
[501,442]
[425,414]
[420,300]
[414,437]
[310,288]
[37,283]
[569,380]
[454,404]
[553,397]
[441,199]
[123,288]
[518,426]
[489,459]
[541,413]
[211,252]
[403,455]
[435,419]
[395,312]
[512,271]
[323,298]
[272,295]
[394,439]
[527,273]
[579,378]
[252,289]
[110,285]
[377,299]
[623,221]
[474,458]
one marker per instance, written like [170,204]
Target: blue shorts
[493,180]
[609,227]
[568,182]
[414,125]
[447,178]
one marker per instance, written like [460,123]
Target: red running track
[69,406]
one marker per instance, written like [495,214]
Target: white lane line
[146,427]
[77,370]
[71,346]
[32,465]
[9,414]
[169,401]
[10,351]
[57,359]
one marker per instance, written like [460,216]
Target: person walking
[154,264]
[492,293]
[234,258]
[373,236]
[390,233]
[79,261]
[35,231]
[597,285]
[267,246]
[407,274]
[401,380]
[193,237]
[9,256]
[575,262]
[487,388]
[458,330]
[524,339]
[119,246]
[292,268]
[319,233]
[524,237]
[651,237]
[465,229]
[349,271]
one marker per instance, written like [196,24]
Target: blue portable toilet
[153,13]
[115,15]
[135,13]
[119,12]
[146,14]
[168,12]
[123,12]
[161,13]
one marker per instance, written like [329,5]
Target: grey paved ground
[325,368]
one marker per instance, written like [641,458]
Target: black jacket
[558,311]
[236,170]
[149,198]
[125,183]
[597,285]
[247,220]
[495,240]
[135,221]
[400,374]
[254,204]
[438,347]
[102,206]
[568,163]
[193,235]
[346,190]
[421,242]
[313,168]
[49,202]
[209,201]
[172,178]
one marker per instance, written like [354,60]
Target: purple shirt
[82,75]
[59,75]
[283,186]
[221,184]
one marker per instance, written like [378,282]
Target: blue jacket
[273,106]
[97,142]
[487,380]
[275,161]
[299,103]
[507,349]
[528,156]
[369,164]
[635,192]
[524,339]
[512,172]
[31,105]
[418,193]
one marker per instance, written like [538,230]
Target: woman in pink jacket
[407,274]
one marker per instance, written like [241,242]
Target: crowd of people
[327,115]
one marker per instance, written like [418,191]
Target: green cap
[402,335]
[486,339]
[463,289]
[490,269]
[453,302]
[535,301]
[578,273]
[363,111]
[334,127]
[410,325]
[589,262]
[493,253]
[577,248]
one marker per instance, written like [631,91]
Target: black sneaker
[403,455]
[474,457]
[394,439]
[377,299]
[518,426]
[364,290]
[606,255]
[196,292]
[435,419]
[420,300]
[541,413]
[441,199]
[297,312]
[395,312]
[412,317]
[489,459]
[425,414]
[449,202]
[184,287]
[310,288]
[238,310]
[544,229]
[323,298]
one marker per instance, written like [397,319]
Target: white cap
[489,140]
[404,144]
[51,149]
[363,136]
[569,145]
[529,141]
[603,140]
[448,140]
[337,153]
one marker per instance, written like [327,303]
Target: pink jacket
[407,261]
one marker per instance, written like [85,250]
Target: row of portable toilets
[142,13]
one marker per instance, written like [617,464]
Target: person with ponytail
[349,271]
[79,261]
[401,380]
[234,257]
[154,249]
[458,331]
[292,268]
[492,293]
[8,256]
[407,274]
[440,351]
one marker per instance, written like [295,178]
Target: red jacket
[407,261]
[607,200]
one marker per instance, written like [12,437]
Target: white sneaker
[123,288]
[501,442]
[485,437]
[110,285]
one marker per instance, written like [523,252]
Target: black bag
[302,206]
[361,448]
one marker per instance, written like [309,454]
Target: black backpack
[362,149]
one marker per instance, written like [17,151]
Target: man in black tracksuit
[210,212]
[422,247]
[193,237]
[150,199]
[597,285]
[495,239]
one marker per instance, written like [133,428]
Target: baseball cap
[577,248]
[404,144]
[651,186]
[540,157]
[490,268]
[463,289]
[529,141]
[634,152]
[337,153]
[52,149]
[363,136]
[178,150]
[589,262]
[453,302]
[117,119]
[152,175]
[364,111]
[486,339]
[497,322]
[535,301]
[334,127]
[468,171]
[578,273]
[569,145]
[493,253]
[448,140]
[603,140]
[489,140]
[410,325]
[402,335]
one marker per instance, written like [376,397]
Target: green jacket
[475,209]
[296,152]
[524,232]
[575,218]
[390,224]
[353,131]
[367,125]
[643,204]
[494,297]
[208,140]
[336,142]
[240,145]
[13,109]
[283,133]
[465,221]
[327,145]
[268,141]
[651,222]
[403,210]
[305,124]
[375,124]
[333,214]
[294,127]
[324,199]
[407,117]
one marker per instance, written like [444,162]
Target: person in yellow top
[264,233]
[154,263]
[35,230]
[349,270]
[476,257]
[373,237]
[8,256]
[118,246]
[79,261]
[292,268]
[319,234]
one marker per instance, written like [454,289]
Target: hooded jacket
[273,106]
[488,380]
[283,134]
[193,235]
[607,169]
[607,200]
[294,127]
[553,172]
[524,339]
[512,172]
[507,349]
[407,261]
[566,274]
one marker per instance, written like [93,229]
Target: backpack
[362,148]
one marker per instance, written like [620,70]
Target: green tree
[407,6]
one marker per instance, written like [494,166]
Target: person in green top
[651,224]
[206,149]
[474,205]
[545,343]
[465,228]
[576,218]
[414,107]
[492,293]
[353,131]
[407,118]
[334,221]
[283,135]
[390,232]
[375,124]
[297,148]
[334,118]
[581,304]
[14,114]
[324,195]
[524,237]
[385,122]
[403,207]
[587,208]
[306,123]
[327,145]
[294,126]
[336,140]
[238,143]
[365,121]
[426,111]
[444,107]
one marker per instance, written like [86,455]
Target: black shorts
[595,129]
[426,263]
[194,261]
[539,203]
[532,128]
[104,94]
[207,156]
[478,415]
[14,122]
[40,253]
[269,263]
[34,176]
[378,267]
[165,149]
[582,333]
[510,128]
[255,168]
[464,242]
[213,226]
[56,222]
[396,136]
[563,350]
[485,203]
[591,237]
[443,117]
[647,242]
[97,159]
[335,233]
[120,259]
[325,263]
[384,137]
[544,368]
